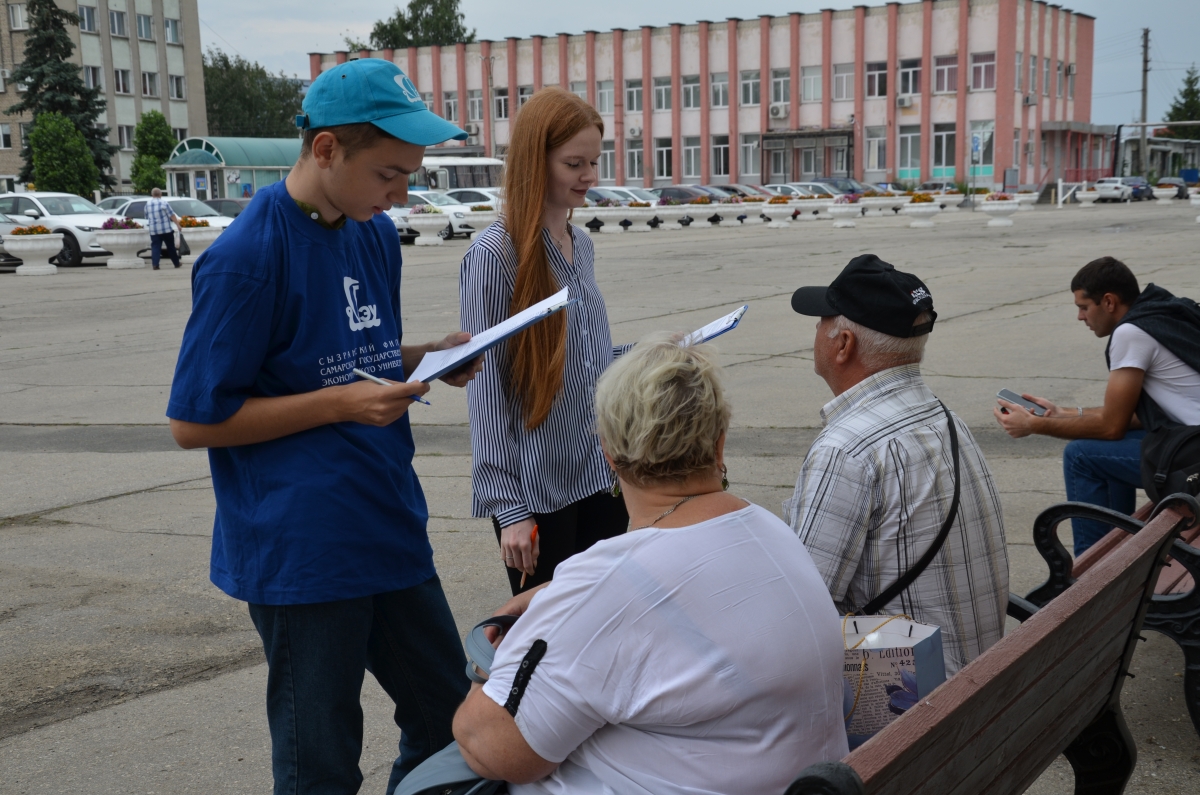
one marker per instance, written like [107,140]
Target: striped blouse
[516,472]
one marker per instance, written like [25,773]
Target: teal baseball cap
[376,91]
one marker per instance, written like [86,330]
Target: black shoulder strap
[899,586]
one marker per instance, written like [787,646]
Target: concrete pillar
[676,109]
[648,153]
[735,98]
[619,103]
[705,107]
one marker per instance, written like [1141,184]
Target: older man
[162,221]
[877,490]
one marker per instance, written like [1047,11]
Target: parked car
[819,189]
[476,196]
[230,208]
[783,189]
[1113,189]
[1182,193]
[744,190]
[936,187]
[114,203]
[456,214]
[639,193]
[682,193]
[181,206]
[74,216]
[1142,189]
[844,184]
[596,195]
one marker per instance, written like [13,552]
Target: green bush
[62,160]
[147,174]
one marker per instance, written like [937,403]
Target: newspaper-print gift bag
[891,663]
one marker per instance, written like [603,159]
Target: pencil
[532,539]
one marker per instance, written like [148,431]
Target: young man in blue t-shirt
[320,521]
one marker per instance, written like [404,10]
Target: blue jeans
[156,244]
[317,654]
[1102,473]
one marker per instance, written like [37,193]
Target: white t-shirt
[1173,385]
[701,659]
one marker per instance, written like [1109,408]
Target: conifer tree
[1186,107]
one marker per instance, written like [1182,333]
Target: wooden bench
[1175,609]
[1051,686]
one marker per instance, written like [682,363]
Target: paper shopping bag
[891,663]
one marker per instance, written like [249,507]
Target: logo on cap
[407,87]
[919,295]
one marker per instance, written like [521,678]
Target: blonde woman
[700,652]
[535,458]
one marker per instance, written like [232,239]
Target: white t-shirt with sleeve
[1173,385]
[701,659]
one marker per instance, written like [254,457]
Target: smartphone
[1013,397]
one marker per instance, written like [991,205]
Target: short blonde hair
[660,409]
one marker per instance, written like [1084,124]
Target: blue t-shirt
[282,306]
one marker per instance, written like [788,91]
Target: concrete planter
[949,202]
[809,209]
[672,215]
[125,245]
[611,217]
[481,220]
[428,226]
[1026,201]
[1195,202]
[1087,198]
[640,218]
[35,252]
[883,205]
[921,214]
[779,216]
[198,239]
[753,212]
[844,215]
[1165,195]
[999,211]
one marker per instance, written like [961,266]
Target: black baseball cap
[874,294]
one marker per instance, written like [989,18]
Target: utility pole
[1142,160]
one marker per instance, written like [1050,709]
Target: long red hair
[550,119]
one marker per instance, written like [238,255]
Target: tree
[153,141]
[54,85]
[243,99]
[427,22]
[1186,107]
[62,160]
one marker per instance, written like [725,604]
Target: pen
[381,382]
[532,539]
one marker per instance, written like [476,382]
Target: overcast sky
[280,33]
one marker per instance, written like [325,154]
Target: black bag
[1171,461]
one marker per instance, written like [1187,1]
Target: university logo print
[361,317]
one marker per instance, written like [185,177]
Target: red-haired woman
[535,457]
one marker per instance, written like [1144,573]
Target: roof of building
[235,152]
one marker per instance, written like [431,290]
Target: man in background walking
[161,220]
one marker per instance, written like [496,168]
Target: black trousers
[567,531]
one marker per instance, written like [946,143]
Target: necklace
[558,243]
[668,512]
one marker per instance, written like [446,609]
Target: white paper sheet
[437,363]
[715,328]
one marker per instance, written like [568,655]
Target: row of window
[93,77]
[664,164]
[117,23]
[1060,76]
[124,135]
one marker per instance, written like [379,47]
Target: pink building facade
[992,91]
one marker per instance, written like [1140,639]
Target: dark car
[683,193]
[1142,189]
[1182,192]
[230,208]
[844,184]
[716,192]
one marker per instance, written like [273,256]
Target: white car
[476,196]
[181,205]
[637,194]
[783,189]
[1113,189]
[456,213]
[114,203]
[74,216]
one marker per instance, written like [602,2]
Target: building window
[116,23]
[690,85]
[633,158]
[910,77]
[125,136]
[604,96]
[810,82]
[1045,150]
[93,77]
[720,155]
[176,86]
[180,133]
[877,79]
[720,89]
[983,71]
[16,17]
[1046,77]
[174,33]
[876,140]
[662,158]
[1016,148]
[1033,63]
[87,18]
[608,159]
[525,93]
[500,95]
[427,98]
[808,161]
[910,152]
[751,82]
[122,81]
[149,84]
[781,86]
[843,81]
[982,151]
[578,88]
[662,93]
[945,74]
[5,136]
[1020,72]
[1071,82]
[633,96]
[944,139]
[691,156]
[475,104]
[839,160]
[749,160]
[1059,81]
[450,105]
[145,27]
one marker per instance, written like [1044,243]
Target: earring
[616,487]
[724,478]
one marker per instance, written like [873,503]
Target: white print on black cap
[919,295]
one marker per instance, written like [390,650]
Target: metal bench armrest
[827,778]
[1020,608]
[1058,560]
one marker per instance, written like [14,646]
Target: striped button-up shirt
[872,494]
[516,472]
[158,217]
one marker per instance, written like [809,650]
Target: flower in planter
[998,197]
[36,229]
[425,209]
[1165,186]
[1024,191]
[608,203]
[639,204]
[847,198]
[482,208]
[188,222]
[731,200]
[701,200]
[921,198]
[778,200]
[120,223]
[750,199]
[870,194]
[953,193]
[665,202]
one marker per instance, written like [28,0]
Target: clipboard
[716,328]
[436,364]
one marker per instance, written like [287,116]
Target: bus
[448,173]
